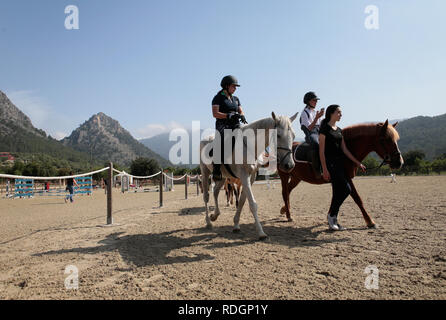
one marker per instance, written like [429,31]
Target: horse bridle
[286,154]
[388,155]
[288,150]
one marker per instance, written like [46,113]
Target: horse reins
[387,157]
[286,154]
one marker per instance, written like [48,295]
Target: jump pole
[109,195]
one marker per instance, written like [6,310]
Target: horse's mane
[367,130]
[260,124]
[268,122]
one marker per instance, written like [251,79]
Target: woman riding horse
[227,110]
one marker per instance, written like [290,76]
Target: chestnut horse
[360,140]
[232,189]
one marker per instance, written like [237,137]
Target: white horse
[247,172]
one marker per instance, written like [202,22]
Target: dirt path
[166,253]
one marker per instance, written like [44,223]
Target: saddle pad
[301,152]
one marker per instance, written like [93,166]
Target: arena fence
[25,187]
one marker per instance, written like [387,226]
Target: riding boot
[316,163]
[216,172]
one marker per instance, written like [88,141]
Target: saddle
[301,152]
[228,168]
[211,152]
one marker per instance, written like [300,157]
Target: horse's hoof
[213,217]
[290,219]
[264,237]
[209,226]
[283,210]
[236,230]
[372,226]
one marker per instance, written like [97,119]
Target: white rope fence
[174,179]
[109,183]
[10,176]
[136,177]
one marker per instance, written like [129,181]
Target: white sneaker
[340,228]
[332,223]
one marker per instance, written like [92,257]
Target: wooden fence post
[109,194]
[198,187]
[185,186]
[161,188]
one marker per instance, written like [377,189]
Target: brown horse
[360,140]
[232,188]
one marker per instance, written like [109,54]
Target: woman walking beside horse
[332,150]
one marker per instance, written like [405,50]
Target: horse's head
[386,145]
[285,138]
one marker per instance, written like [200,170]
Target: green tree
[180,171]
[17,168]
[144,167]
[196,170]
[370,164]
[413,161]
[439,165]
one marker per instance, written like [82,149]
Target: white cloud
[59,135]
[154,129]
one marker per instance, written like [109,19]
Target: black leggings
[339,184]
[220,130]
[219,159]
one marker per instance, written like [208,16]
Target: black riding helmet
[228,80]
[310,96]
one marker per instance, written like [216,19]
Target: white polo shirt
[307,117]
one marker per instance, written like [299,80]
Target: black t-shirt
[225,106]
[70,182]
[333,141]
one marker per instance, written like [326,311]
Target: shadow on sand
[192,245]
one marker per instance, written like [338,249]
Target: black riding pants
[219,132]
[339,184]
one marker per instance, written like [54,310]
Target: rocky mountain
[18,135]
[161,145]
[12,118]
[104,138]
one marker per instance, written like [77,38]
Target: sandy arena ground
[167,253]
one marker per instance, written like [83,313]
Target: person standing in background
[71,182]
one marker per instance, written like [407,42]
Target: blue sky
[155,65]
